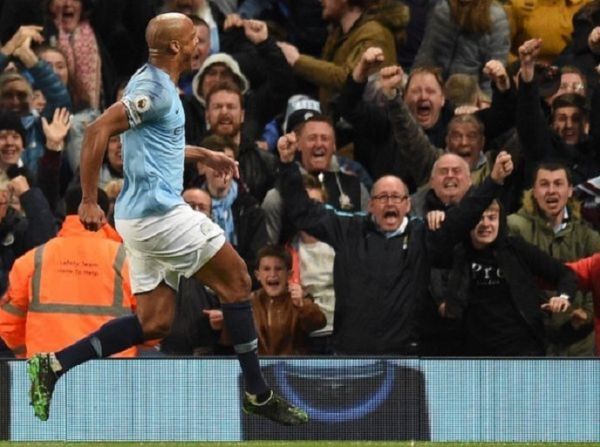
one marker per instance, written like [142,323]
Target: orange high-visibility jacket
[65,289]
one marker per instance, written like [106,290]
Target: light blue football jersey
[153,146]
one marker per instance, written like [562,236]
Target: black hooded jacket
[521,268]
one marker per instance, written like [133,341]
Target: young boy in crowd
[283,314]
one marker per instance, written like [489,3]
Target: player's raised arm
[112,122]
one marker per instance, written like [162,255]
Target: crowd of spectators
[417,177]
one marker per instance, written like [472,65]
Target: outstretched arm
[333,75]
[272,95]
[500,116]
[532,127]
[49,165]
[365,117]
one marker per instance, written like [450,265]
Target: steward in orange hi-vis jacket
[65,289]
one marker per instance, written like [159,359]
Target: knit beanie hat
[11,121]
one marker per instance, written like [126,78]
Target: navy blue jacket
[379,282]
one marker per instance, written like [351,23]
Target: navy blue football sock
[5,351]
[240,326]
[112,337]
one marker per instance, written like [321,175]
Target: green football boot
[43,380]
[276,409]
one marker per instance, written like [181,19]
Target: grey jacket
[454,51]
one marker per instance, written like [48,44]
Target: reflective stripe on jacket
[65,289]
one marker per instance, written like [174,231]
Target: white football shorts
[163,248]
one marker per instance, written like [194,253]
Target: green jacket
[577,240]
[381,25]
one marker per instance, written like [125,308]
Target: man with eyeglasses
[382,259]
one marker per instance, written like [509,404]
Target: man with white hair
[450,180]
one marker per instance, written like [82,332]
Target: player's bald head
[165,28]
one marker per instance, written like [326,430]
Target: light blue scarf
[222,214]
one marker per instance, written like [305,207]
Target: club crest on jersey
[141,103]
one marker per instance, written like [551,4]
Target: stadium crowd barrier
[193,399]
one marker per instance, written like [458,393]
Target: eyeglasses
[392,198]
